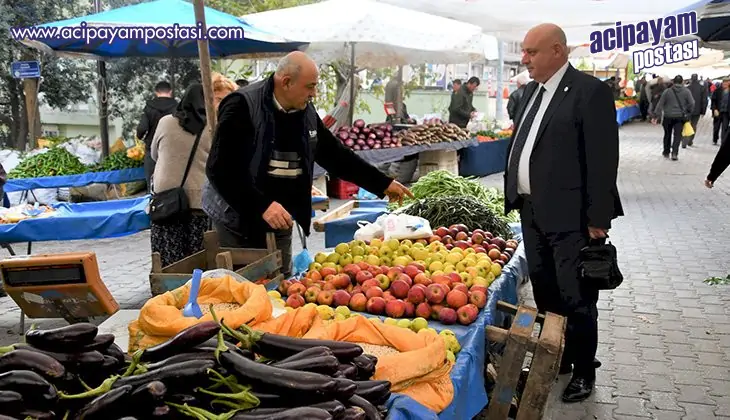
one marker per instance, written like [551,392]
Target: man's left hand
[396,191]
[597,233]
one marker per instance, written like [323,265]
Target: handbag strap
[190,158]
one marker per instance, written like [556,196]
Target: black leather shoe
[578,389]
[568,368]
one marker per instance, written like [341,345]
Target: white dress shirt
[551,86]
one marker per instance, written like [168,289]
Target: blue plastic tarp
[97,220]
[626,113]
[467,375]
[317,199]
[108,177]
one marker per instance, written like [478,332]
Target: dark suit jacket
[574,162]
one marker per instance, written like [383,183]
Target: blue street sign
[25,69]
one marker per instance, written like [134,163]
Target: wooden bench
[546,350]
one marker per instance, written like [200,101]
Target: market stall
[121,176]
[626,110]
[385,143]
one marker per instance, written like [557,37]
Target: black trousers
[693,120]
[672,126]
[719,126]
[231,239]
[553,263]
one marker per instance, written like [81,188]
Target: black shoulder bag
[685,117]
[170,204]
[599,265]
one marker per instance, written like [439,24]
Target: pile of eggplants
[208,371]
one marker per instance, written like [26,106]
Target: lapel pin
[566,89]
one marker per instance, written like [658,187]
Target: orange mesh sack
[419,369]
[161,317]
[294,323]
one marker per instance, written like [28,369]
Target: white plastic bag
[404,226]
[368,231]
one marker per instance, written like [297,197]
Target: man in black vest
[261,161]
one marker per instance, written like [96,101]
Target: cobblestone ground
[664,334]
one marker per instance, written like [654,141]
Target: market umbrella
[160,14]
[713,22]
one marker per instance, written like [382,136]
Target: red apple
[356,289]
[477,238]
[412,271]
[376,305]
[373,292]
[435,294]
[417,294]
[351,270]
[295,301]
[342,281]
[423,310]
[447,316]
[362,276]
[326,271]
[460,287]
[478,287]
[395,308]
[284,287]
[388,296]
[394,272]
[341,298]
[296,288]
[325,297]
[405,278]
[418,266]
[435,310]
[363,265]
[467,314]
[423,279]
[315,275]
[358,302]
[410,310]
[455,277]
[399,289]
[456,299]
[330,285]
[478,298]
[370,283]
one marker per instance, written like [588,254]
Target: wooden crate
[343,211]
[430,161]
[547,351]
[248,262]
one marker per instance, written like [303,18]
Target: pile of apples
[481,241]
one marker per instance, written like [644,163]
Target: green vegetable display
[117,161]
[57,161]
[463,209]
[445,184]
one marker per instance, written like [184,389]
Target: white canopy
[510,19]
[384,35]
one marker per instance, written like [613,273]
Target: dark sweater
[721,162]
[231,155]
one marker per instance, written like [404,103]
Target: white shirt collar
[279,107]
[552,84]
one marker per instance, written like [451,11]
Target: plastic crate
[338,188]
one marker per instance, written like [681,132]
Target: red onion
[350,142]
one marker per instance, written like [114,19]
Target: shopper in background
[719,164]
[720,111]
[175,153]
[461,109]
[699,94]
[674,109]
[163,104]
[514,98]
[561,174]
[260,179]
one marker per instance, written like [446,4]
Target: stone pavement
[664,334]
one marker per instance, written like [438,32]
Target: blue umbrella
[164,14]
[713,21]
